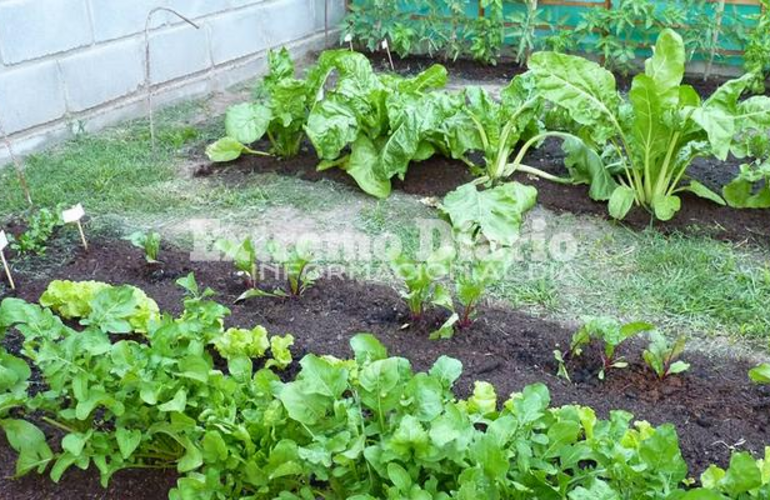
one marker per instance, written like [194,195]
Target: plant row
[618,35]
[132,387]
[632,150]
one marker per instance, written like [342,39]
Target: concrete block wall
[79,64]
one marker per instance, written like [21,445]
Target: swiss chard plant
[280,113]
[372,126]
[610,333]
[662,356]
[149,243]
[654,135]
[422,280]
[297,264]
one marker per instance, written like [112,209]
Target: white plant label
[3,244]
[3,241]
[74,214]
[348,38]
[385,44]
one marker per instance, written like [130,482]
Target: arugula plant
[662,356]
[280,114]
[611,334]
[149,243]
[244,255]
[422,280]
[656,134]
[40,227]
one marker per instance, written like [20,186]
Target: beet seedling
[300,276]
[244,256]
[662,356]
[421,280]
[149,243]
[609,332]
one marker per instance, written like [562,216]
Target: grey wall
[70,65]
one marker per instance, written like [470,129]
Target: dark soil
[507,68]
[439,175]
[713,406]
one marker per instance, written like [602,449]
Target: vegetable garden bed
[714,407]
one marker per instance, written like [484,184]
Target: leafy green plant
[40,227]
[149,243]
[421,280]
[296,261]
[244,255]
[756,55]
[524,30]
[117,309]
[662,356]
[751,187]
[493,215]
[280,115]
[240,342]
[611,334]
[760,374]
[385,121]
[657,134]
[487,33]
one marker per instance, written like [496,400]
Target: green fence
[714,30]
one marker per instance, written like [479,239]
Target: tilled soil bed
[438,176]
[713,406]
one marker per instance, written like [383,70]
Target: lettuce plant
[611,334]
[751,187]
[662,356]
[657,133]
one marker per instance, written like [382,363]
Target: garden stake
[75,214]
[147,83]
[3,244]
[390,57]
[349,40]
[17,165]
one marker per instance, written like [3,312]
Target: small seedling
[761,374]
[609,332]
[149,242]
[244,256]
[421,280]
[300,276]
[40,226]
[662,356]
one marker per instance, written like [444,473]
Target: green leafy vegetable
[760,374]
[662,356]
[421,280]
[611,334]
[149,243]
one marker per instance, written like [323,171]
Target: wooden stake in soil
[3,244]
[76,214]
[390,57]
[147,84]
[17,165]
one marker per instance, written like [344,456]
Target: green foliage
[296,261]
[421,280]
[280,114]
[40,226]
[760,374]
[115,309]
[662,356]
[751,187]
[239,342]
[659,131]
[494,215]
[610,333]
[244,256]
[756,54]
[149,243]
[363,428]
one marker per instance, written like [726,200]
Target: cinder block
[119,18]
[237,34]
[198,8]
[103,73]
[178,51]
[288,20]
[35,28]
[30,95]
[335,13]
